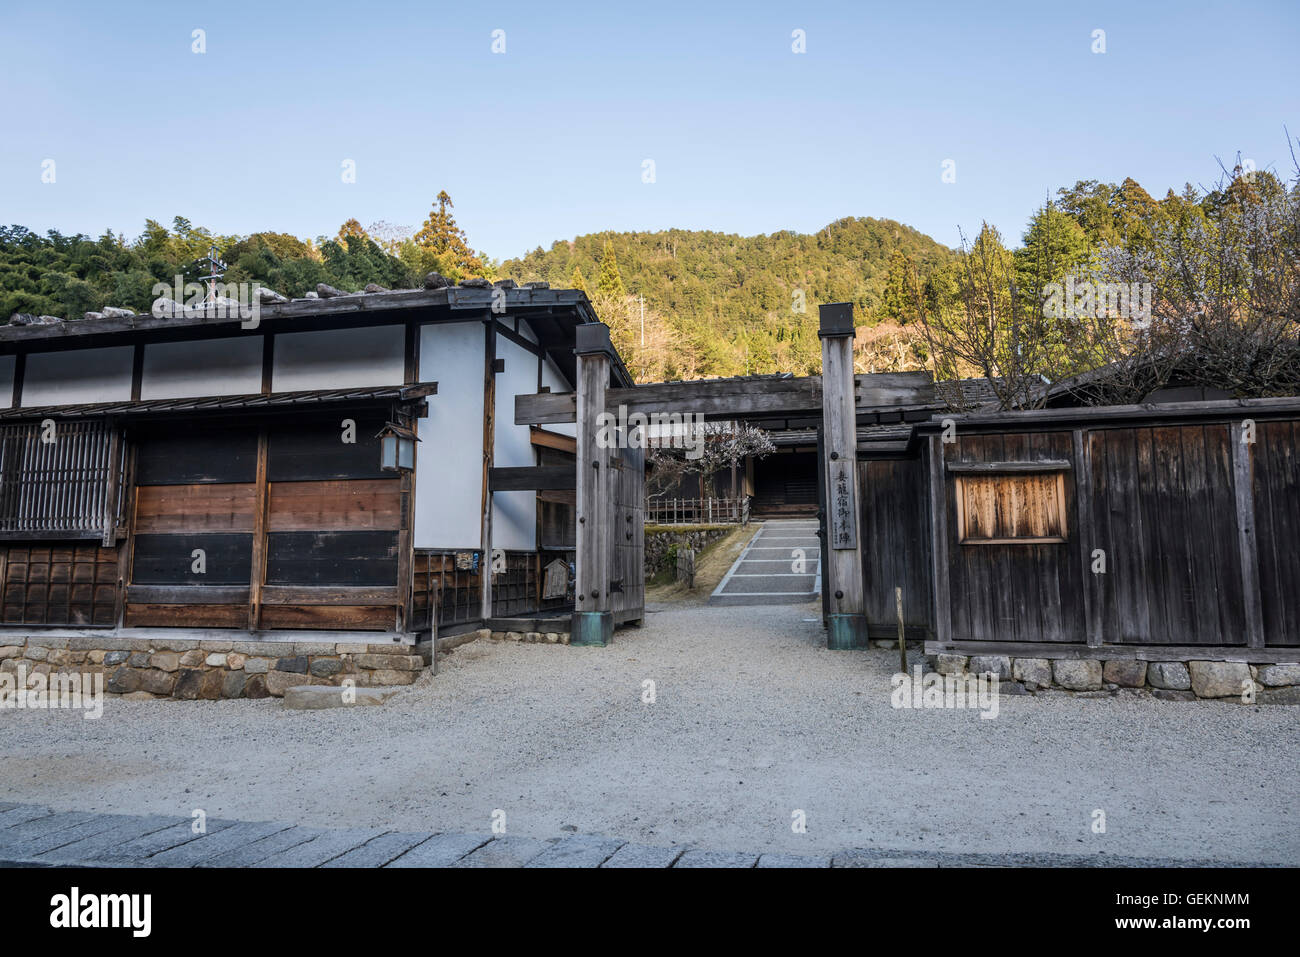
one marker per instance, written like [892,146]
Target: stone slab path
[781,565]
[32,835]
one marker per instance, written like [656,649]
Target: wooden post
[842,576]
[489,448]
[939,542]
[1243,484]
[902,639]
[593,621]
[1094,585]
[258,576]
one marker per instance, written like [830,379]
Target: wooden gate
[627,578]
[610,494]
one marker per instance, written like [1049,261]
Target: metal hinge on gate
[616,585]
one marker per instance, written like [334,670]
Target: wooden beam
[489,444]
[137,371]
[268,362]
[411,353]
[1074,650]
[531,478]
[523,342]
[1093,584]
[939,543]
[997,468]
[257,574]
[20,367]
[329,595]
[1160,413]
[553,440]
[721,398]
[187,594]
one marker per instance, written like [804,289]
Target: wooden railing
[697,511]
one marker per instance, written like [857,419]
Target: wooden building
[1163,529]
[206,471]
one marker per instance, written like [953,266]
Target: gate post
[843,576]
[593,621]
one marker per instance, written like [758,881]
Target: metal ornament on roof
[216,271]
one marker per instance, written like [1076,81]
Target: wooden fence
[1108,532]
[697,511]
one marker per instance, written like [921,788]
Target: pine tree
[577,280]
[610,283]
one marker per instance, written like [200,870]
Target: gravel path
[753,720]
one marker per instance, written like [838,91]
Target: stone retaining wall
[533,637]
[1167,680]
[198,668]
[660,539]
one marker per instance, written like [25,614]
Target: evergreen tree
[894,300]
[610,283]
[444,238]
[1055,246]
[577,280]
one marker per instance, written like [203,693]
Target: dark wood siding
[1276,482]
[1164,514]
[1014,592]
[1196,529]
[311,530]
[315,450]
[185,457]
[895,542]
[169,559]
[58,583]
[331,558]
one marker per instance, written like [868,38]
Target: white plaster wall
[78,375]
[338,358]
[449,457]
[514,514]
[7,364]
[552,377]
[177,370]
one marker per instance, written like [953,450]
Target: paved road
[33,835]
[779,566]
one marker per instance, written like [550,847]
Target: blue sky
[547,140]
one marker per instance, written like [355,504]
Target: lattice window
[60,479]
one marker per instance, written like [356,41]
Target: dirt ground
[752,721]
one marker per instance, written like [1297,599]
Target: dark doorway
[785,483]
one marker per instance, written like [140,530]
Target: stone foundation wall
[658,541]
[532,637]
[1167,680]
[197,668]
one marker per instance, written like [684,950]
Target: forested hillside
[722,304]
[685,304]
